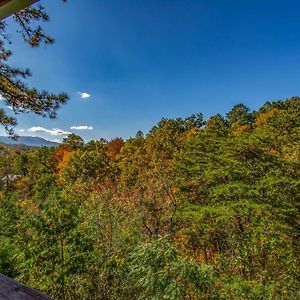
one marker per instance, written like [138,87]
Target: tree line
[193,209]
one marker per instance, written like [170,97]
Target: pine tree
[13,88]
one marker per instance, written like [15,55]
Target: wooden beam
[13,290]
[9,7]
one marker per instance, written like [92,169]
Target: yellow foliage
[292,153]
[240,130]
[189,135]
[262,118]
[274,151]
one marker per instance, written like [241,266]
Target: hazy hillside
[32,141]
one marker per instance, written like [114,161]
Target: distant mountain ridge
[32,141]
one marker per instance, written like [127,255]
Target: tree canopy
[192,209]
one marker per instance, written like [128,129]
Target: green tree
[239,203]
[13,88]
[160,273]
[74,141]
[239,114]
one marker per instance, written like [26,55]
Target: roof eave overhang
[9,7]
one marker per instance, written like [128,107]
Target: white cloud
[21,130]
[9,107]
[84,95]
[55,141]
[1,98]
[53,131]
[82,127]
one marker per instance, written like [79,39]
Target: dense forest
[194,209]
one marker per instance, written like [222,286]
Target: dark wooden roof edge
[13,290]
[2,2]
[9,7]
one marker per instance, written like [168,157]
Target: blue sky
[143,60]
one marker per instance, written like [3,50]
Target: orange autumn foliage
[62,156]
[113,148]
